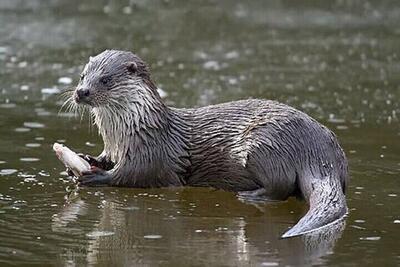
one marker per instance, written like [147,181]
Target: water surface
[337,61]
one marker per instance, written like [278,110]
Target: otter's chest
[116,134]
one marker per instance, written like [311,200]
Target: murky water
[338,62]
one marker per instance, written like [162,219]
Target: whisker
[65,105]
[67,95]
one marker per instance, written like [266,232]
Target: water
[337,61]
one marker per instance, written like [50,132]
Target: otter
[253,147]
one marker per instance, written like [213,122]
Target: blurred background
[336,60]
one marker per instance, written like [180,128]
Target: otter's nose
[83,93]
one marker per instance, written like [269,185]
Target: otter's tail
[327,205]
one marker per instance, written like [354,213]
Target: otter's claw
[92,160]
[95,177]
[69,172]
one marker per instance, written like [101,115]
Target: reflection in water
[336,60]
[69,213]
[322,242]
[150,230]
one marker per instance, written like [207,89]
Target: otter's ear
[132,67]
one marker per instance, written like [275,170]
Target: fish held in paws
[71,160]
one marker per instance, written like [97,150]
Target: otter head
[113,78]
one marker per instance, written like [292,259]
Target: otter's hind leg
[255,196]
[253,193]
[258,195]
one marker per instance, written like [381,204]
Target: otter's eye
[81,77]
[105,80]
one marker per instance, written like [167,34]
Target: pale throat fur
[140,125]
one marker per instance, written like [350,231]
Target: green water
[336,60]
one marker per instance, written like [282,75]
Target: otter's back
[246,144]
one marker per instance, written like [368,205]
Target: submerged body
[250,145]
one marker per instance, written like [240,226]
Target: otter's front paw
[95,177]
[99,162]
[92,160]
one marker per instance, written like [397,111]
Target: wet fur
[238,146]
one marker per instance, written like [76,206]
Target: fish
[71,160]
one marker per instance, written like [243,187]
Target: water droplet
[30,180]
[33,125]
[65,80]
[233,81]
[8,105]
[22,130]
[212,65]
[270,263]
[232,55]
[371,238]
[7,171]
[95,234]
[23,64]
[127,10]
[29,159]
[130,208]
[152,236]
[106,9]
[3,49]
[90,144]
[43,173]
[335,120]
[342,127]
[357,227]
[50,91]
[33,145]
